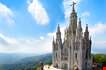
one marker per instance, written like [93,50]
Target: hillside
[28,63]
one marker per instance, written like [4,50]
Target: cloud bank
[14,45]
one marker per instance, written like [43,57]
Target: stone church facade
[74,53]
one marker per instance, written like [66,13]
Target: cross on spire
[73,5]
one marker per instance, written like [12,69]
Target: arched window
[65,54]
[56,55]
[76,56]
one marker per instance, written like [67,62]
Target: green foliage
[36,67]
[100,58]
[48,61]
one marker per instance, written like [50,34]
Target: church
[74,52]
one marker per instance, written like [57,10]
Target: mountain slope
[28,63]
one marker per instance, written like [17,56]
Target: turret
[53,44]
[79,26]
[58,28]
[58,37]
[58,33]
[79,29]
[86,33]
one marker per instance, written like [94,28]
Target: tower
[58,49]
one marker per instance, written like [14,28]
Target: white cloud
[7,14]
[41,37]
[98,32]
[62,29]
[85,14]
[98,28]
[14,45]
[99,46]
[39,13]
[101,43]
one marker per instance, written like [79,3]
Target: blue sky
[28,26]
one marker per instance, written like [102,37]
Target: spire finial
[73,6]
[58,28]
[86,27]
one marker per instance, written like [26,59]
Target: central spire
[73,20]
